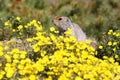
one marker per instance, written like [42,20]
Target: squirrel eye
[60,19]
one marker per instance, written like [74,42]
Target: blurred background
[94,16]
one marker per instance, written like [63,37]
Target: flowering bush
[94,16]
[52,57]
[110,45]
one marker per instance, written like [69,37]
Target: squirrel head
[62,22]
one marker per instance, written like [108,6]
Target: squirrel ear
[68,20]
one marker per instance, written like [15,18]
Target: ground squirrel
[62,23]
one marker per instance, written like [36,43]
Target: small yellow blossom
[1,48]
[117,35]
[10,72]
[1,43]
[105,57]
[15,56]
[49,78]
[78,78]
[20,27]
[114,49]
[111,60]
[88,41]
[18,18]
[1,53]
[2,74]
[6,47]
[109,43]
[15,61]
[39,22]
[100,47]
[114,43]
[34,21]
[22,56]
[20,33]
[29,39]
[8,23]
[13,30]
[68,32]
[32,77]
[39,28]
[110,31]
[114,33]
[20,66]
[116,56]
[7,57]
[52,29]
[26,26]
[10,41]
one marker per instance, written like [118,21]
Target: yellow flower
[88,41]
[20,27]
[8,23]
[111,60]
[116,56]
[39,28]
[20,66]
[49,78]
[63,77]
[10,72]
[100,47]
[6,47]
[18,18]
[1,48]
[13,30]
[15,56]
[26,26]
[68,32]
[32,77]
[36,48]
[0,64]
[56,31]
[114,33]
[114,43]
[39,22]
[7,57]
[20,33]
[1,53]
[110,31]
[10,41]
[105,57]
[15,61]
[78,78]
[52,29]
[109,43]
[2,75]
[1,43]
[29,39]
[22,56]
[15,51]
[117,35]
[34,22]
[114,49]
[84,54]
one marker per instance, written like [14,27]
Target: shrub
[52,57]
[110,45]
